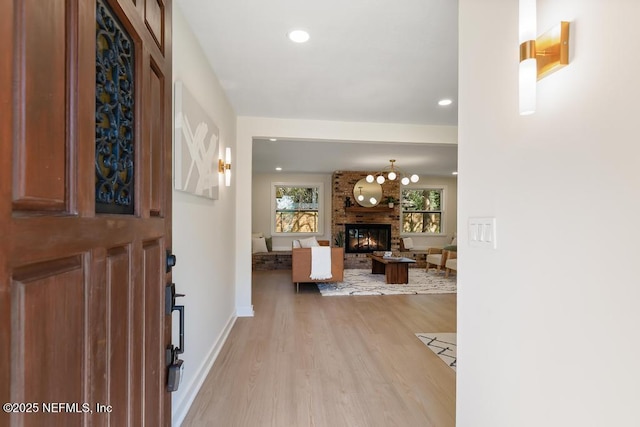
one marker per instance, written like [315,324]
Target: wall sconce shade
[527,81]
[527,71]
[224,166]
[538,57]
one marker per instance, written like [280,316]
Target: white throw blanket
[320,263]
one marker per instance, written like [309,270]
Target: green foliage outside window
[422,210]
[296,209]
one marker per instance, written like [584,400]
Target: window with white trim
[297,208]
[422,211]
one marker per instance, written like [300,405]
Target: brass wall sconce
[539,56]
[224,166]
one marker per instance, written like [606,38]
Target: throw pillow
[308,243]
[407,242]
[451,248]
[256,235]
[296,244]
[258,244]
[269,242]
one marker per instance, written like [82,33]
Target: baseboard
[179,410]
[245,311]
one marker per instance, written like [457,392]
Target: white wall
[450,219]
[261,204]
[259,127]
[203,237]
[548,323]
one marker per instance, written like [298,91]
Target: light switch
[482,232]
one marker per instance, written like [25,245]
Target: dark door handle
[170,261]
[170,298]
[170,306]
[180,349]
[174,363]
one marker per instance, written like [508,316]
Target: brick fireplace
[341,215]
[367,238]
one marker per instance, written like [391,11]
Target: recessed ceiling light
[444,102]
[298,36]
[454,173]
[272,139]
[278,168]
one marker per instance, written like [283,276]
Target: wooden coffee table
[395,269]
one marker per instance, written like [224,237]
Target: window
[422,210]
[297,208]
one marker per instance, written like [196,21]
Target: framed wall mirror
[367,194]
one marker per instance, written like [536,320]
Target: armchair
[301,265]
[436,257]
[451,263]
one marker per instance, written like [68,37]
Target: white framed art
[197,140]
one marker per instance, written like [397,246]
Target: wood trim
[373,209]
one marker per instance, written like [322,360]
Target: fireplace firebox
[365,238]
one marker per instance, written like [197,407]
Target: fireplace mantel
[373,209]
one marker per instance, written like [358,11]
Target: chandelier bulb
[392,175]
[373,201]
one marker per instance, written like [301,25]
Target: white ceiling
[329,156]
[384,61]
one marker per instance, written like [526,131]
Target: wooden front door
[85,211]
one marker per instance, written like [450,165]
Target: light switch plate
[482,232]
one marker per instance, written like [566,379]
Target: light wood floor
[307,360]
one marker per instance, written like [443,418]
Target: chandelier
[392,173]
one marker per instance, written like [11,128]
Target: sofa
[406,245]
[301,265]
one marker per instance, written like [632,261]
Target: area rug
[443,344]
[362,282]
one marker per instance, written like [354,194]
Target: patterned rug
[442,344]
[362,282]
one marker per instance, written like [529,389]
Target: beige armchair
[451,264]
[437,258]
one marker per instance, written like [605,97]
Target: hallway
[307,360]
